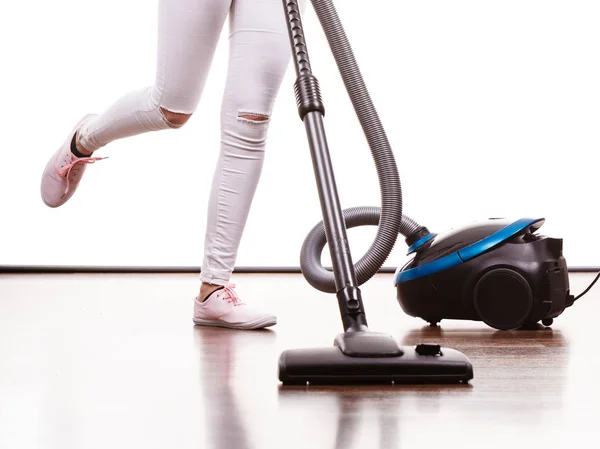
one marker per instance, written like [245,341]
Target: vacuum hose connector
[389,218]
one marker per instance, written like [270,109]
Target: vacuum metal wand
[358,355]
[312,110]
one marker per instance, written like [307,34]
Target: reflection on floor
[97,361]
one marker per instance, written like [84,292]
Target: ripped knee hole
[253,117]
[175,118]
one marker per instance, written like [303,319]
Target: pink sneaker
[223,308]
[64,171]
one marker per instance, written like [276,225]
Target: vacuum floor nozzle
[422,364]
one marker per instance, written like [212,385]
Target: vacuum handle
[311,110]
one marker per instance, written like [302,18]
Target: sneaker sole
[257,324]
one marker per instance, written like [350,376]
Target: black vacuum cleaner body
[497,271]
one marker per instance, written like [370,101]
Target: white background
[492,108]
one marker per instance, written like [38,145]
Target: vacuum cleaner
[498,271]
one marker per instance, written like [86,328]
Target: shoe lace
[231,296]
[73,169]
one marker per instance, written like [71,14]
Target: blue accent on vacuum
[419,243]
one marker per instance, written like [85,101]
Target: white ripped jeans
[259,53]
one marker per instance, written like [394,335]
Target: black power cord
[572,298]
[588,289]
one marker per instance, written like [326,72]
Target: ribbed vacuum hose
[389,217]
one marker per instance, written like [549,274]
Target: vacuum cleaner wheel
[503,299]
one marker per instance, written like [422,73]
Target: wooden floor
[114,361]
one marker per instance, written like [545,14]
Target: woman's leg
[188,33]
[259,56]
